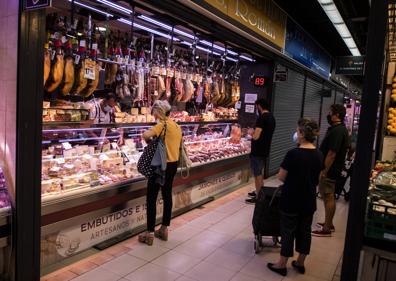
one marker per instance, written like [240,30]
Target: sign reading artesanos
[263,17]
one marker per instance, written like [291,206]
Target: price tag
[156,71]
[60,161]
[83,43]
[53,53]
[89,69]
[163,71]
[77,59]
[95,46]
[66,145]
[238,105]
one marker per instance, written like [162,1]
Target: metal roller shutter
[340,98]
[288,97]
[312,99]
[327,102]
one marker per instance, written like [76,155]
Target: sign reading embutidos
[263,17]
[70,241]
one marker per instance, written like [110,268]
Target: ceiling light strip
[92,8]
[136,25]
[335,17]
[115,6]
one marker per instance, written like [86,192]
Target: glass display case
[77,159]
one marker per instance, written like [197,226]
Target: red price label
[259,81]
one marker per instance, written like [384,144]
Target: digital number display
[259,81]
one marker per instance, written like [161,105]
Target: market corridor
[214,242]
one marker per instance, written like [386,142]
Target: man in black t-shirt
[334,148]
[261,144]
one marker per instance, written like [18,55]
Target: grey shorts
[327,186]
[257,164]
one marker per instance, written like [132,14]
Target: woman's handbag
[184,161]
[144,165]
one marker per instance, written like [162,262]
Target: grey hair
[162,108]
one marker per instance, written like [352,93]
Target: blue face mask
[295,137]
[257,113]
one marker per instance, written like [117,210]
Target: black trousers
[295,227]
[166,191]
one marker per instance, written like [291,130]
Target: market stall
[91,189]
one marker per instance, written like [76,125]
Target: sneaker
[321,233]
[251,200]
[321,224]
[252,194]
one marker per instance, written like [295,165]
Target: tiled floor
[210,243]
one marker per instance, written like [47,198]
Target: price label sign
[89,69]
[259,81]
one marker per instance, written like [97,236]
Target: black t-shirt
[303,168]
[262,146]
[337,140]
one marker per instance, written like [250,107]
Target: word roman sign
[37,4]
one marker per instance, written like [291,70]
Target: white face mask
[107,108]
[295,137]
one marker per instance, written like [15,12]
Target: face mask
[257,113]
[329,119]
[295,137]
[107,108]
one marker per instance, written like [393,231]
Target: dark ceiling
[310,15]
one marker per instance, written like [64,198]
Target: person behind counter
[173,136]
[300,171]
[102,110]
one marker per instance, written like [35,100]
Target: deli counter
[92,192]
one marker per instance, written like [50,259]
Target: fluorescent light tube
[246,58]
[231,59]
[92,8]
[165,26]
[207,50]
[115,6]
[136,25]
[335,17]
[207,43]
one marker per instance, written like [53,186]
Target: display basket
[380,221]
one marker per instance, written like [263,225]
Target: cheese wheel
[389,127]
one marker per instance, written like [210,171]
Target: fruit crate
[380,221]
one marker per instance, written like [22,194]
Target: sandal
[147,238]
[162,234]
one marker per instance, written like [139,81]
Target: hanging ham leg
[68,76]
[56,74]
[215,92]
[47,65]
[168,88]
[80,82]
[180,89]
[92,84]
[188,90]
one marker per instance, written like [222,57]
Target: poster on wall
[302,48]
[75,239]
[250,98]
